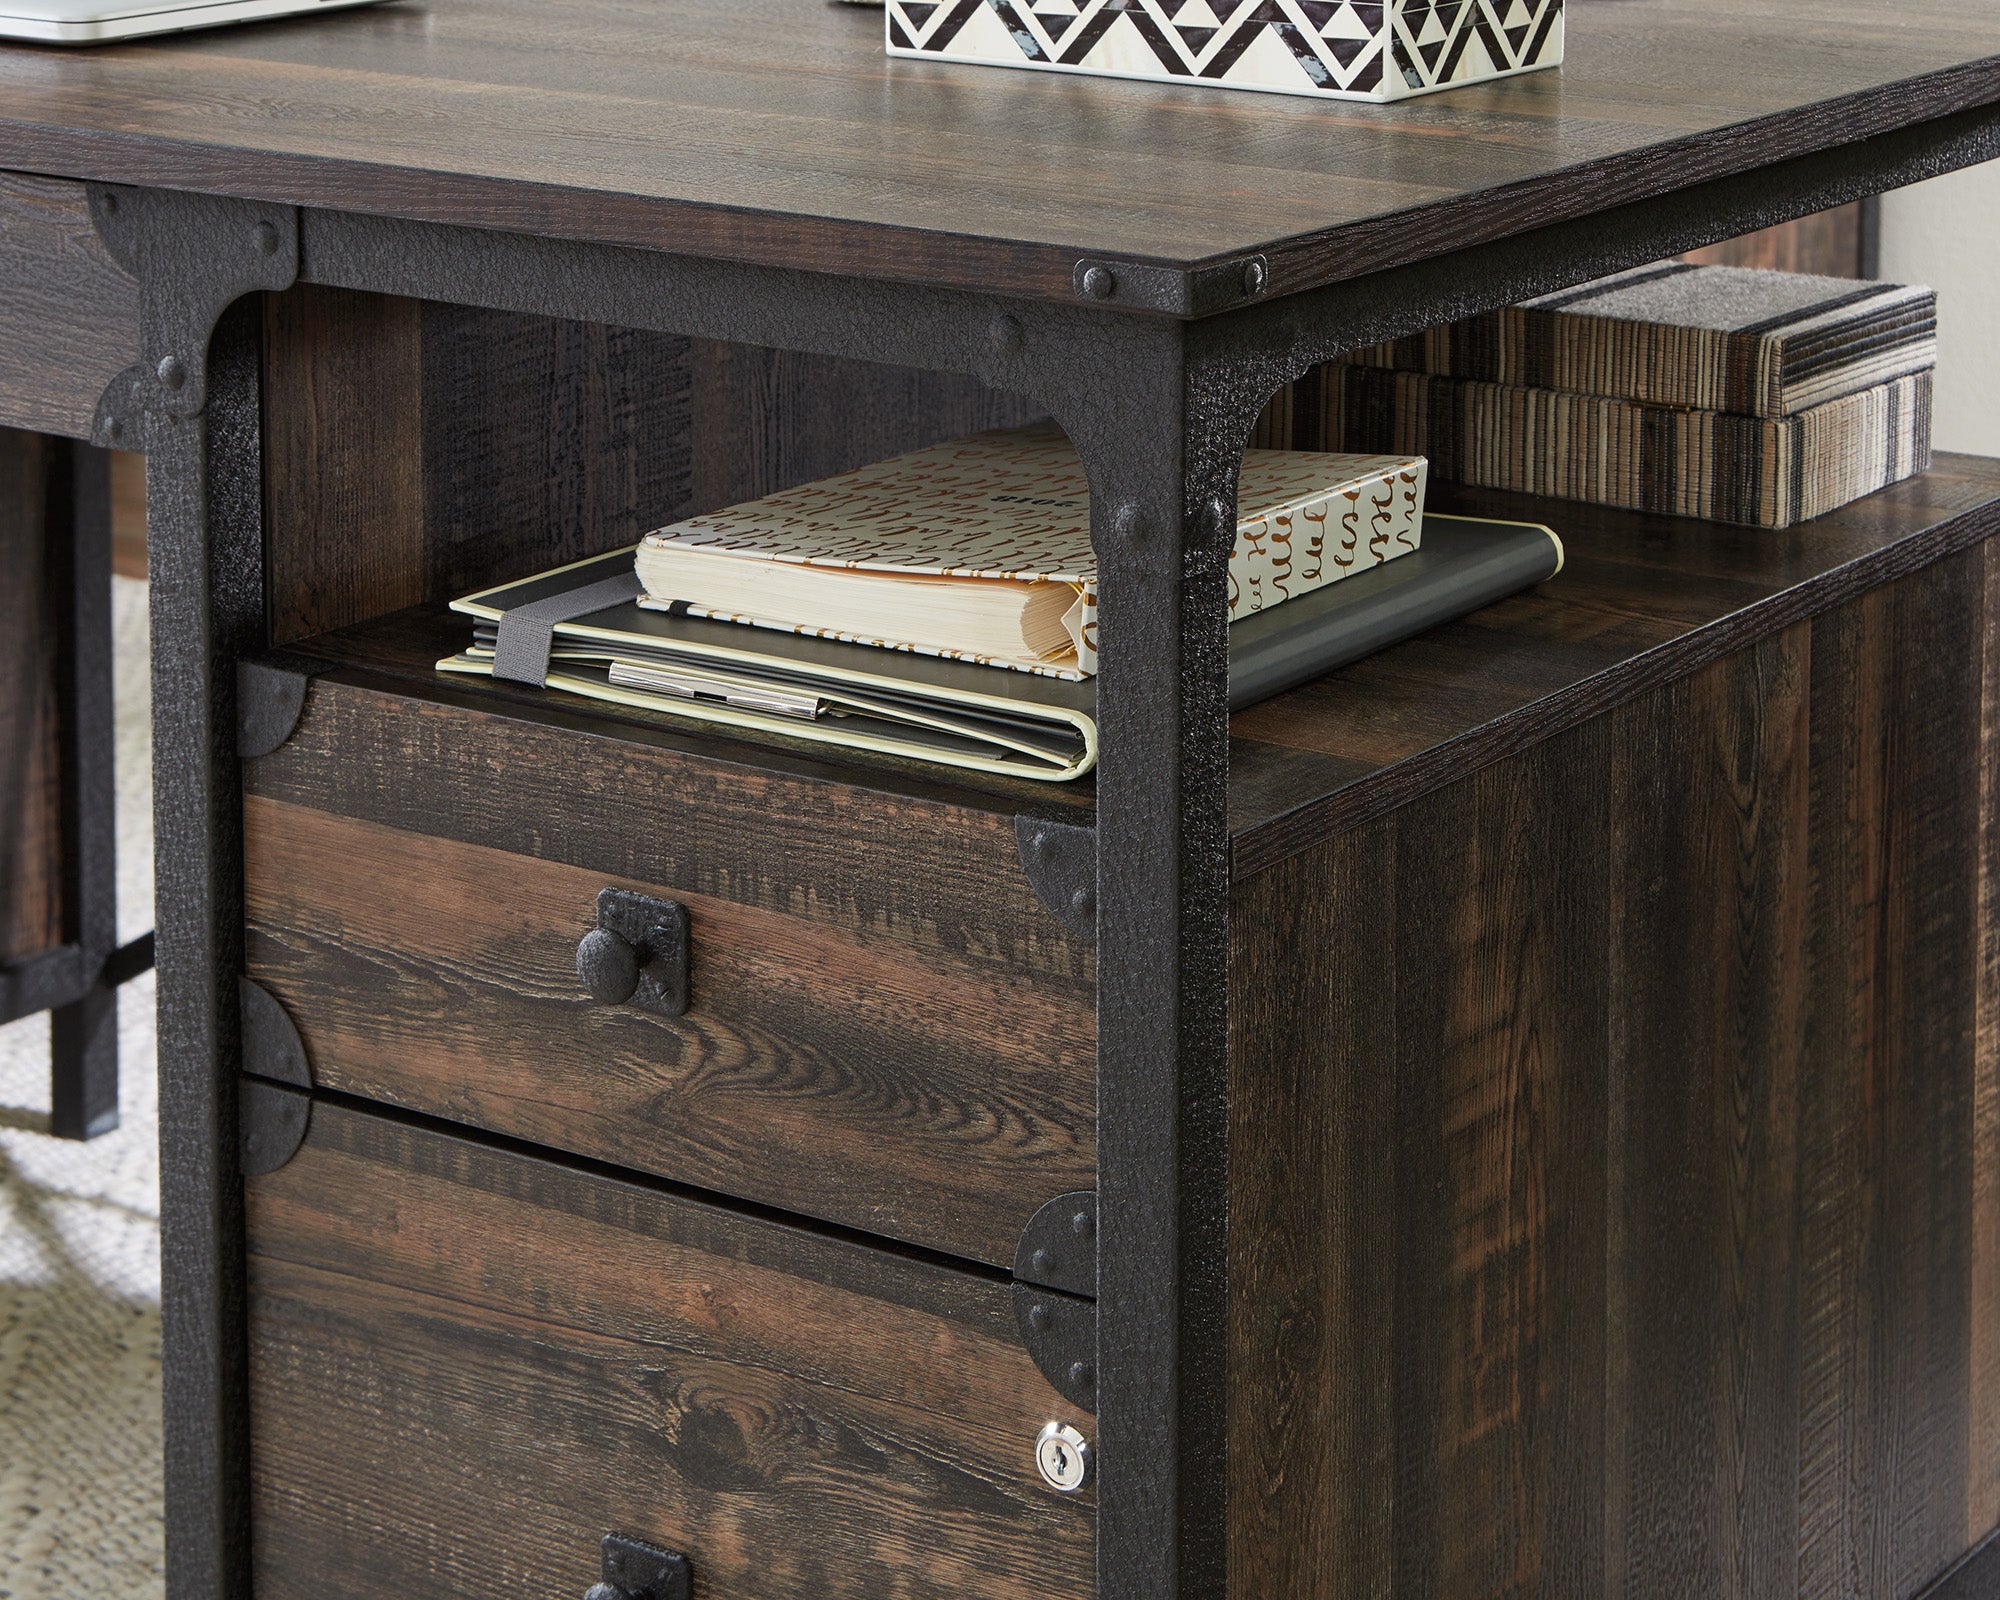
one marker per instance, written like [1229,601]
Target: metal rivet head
[1084,902]
[266,238]
[173,373]
[110,204]
[1082,1375]
[1099,284]
[604,1591]
[114,429]
[1083,1224]
[1007,333]
[1038,1317]
[1042,1260]
[1062,1456]
[1254,277]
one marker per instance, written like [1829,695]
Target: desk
[1540,1112]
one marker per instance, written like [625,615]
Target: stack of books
[1764,398]
[942,605]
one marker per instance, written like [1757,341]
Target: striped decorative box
[1339,49]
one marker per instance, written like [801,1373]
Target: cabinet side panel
[1708,897]
[1683,1147]
[1312,1277]
[1418,1035]
[1982,1509]
[1889,1106]
[31,868]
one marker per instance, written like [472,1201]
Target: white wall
[1946,233]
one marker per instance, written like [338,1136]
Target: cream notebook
[979,550]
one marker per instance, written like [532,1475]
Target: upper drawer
[886,1027]
[69,314]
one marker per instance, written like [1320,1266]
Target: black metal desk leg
[83,1035]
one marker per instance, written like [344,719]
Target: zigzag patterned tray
[1341,49]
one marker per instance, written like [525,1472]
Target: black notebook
[957,713]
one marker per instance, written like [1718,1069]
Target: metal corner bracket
[194,255]
[1055,1288]
[1176,291]
[1060,859]
[270,699]
[272,1048]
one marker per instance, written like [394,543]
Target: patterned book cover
[1014,503]
[1762,344]
[1337,49]
[1764,471]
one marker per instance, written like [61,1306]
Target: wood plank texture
[456,448]
[467,1366]
[69,317]
[1640,600]
[760,129]
[888,1029]
[31,810]
[1613,1145]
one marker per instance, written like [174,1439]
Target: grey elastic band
[527,633]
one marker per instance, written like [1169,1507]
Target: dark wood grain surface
[1640,599]
[69,314]
[777,131]
[468,1366]
[455,448]
[1613,1146]
[887,1029]
[31,811]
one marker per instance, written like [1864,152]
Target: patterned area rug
[80,1267]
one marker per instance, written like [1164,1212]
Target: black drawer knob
[635,1570]
[637,955]
[608,964]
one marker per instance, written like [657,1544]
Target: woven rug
[80,1267]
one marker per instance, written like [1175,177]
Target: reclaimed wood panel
[69,317]
[818,1070]
[1613,1146]
[468,1365]
[455,448]
[758,130]
[31,810]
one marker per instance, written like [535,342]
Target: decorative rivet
[604,1591]
[1038,1318]
[1042,1261]
[1127,525]
[1099,284]
[1081,1375]
[114,429]
[1062,1456]
[1253,278]
[267,239]
[110,204]
[1083,1224]
[1084,902]
[1007,334]
[172,373]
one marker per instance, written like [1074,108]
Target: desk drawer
[886,1028]
[469,1365]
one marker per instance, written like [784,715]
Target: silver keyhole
[1063,1457]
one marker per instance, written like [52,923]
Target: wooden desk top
[776,131]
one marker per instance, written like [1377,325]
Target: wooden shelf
[1640,599]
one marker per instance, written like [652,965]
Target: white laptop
[99,21]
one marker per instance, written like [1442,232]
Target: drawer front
[469,1365]
[886,1028]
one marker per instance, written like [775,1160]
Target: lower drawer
[470,1364]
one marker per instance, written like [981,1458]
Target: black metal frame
[77,982]
[1159,408]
